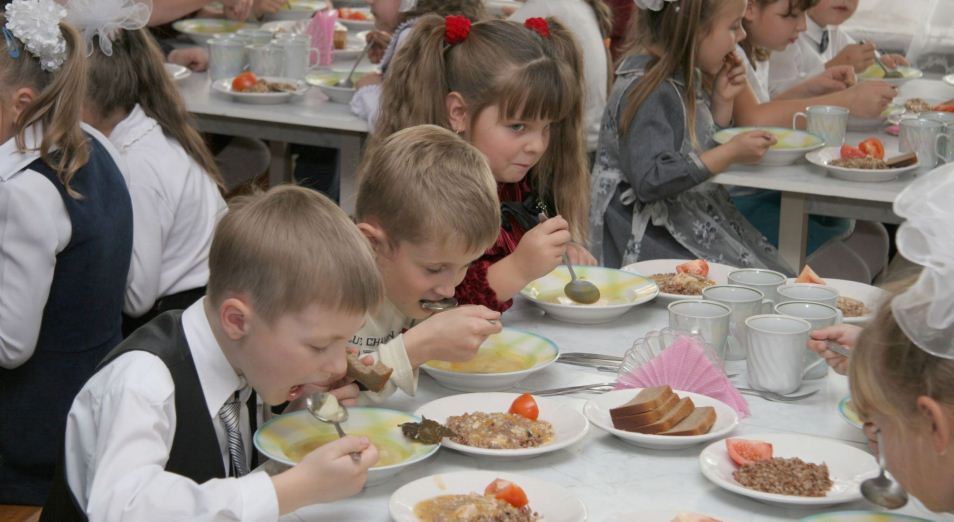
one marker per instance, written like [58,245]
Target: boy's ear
[375,234]
[235,315]
[941,425]
[456,112]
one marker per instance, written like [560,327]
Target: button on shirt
[803,59]
[120,432]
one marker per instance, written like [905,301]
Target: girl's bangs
[536,92]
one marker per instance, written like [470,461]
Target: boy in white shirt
[824,44]
[428,204]
[159,432]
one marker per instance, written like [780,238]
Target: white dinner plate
[792,144]
[357,25]
[353,48]
[285,26]
[200,30]
[871,296]
[875,72]
[597,410]
[848,467]
[552,502]
[666,515]
[296,10]
[525,350]
[824,157]
[619,290]
[718,273]
[261,98]
[177,72]
[569,425]
[847,410]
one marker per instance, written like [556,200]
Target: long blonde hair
[57,107]
[503,64]
[135,74]
[677,29]
[888,372]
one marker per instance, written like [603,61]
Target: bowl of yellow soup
[288,438]
[904,74]
[201,30]
[619,292]
[503,360]
[791,144]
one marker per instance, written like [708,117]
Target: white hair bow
[407,5]
[106,18]
[652,5]
[925,311]
[36,23]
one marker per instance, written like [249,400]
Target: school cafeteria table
[612,478]
[309,120]
[807,189]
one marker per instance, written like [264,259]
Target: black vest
[81,323]
[195,451]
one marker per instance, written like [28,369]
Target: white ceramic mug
[828,122]
[227,58]
[297,55]
[255,36]
[776,352]
[819,316]
[765,281]
[266,60]
[744,302]
[708,319]
[808,292]
[921,137]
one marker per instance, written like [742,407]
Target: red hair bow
[539,25]
[456,29]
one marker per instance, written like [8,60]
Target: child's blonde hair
[288,249]
[472,9]
[888,372]
[676,29]
[135,73]
[57,107]
[503,64]
[760,54]
[425,183]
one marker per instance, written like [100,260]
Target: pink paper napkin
[321,29]
[683,365]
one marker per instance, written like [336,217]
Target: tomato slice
[744,452]
[244,81]
[944,108]
[697,267]
[872,147]
[809,276]
[508,492]
[525,406]
[848,152]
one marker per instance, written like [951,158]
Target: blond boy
[427,202]
[162,430]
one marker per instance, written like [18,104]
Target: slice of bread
[646,400]
[631,422]
[373,377]
[698,422]
[673,417]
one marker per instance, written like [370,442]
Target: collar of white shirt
[132,129]
[219,380]
[12,160]
[814,31]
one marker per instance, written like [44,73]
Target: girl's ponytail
[416,82]
[57,107]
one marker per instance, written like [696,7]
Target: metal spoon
[888,73]
[832,346]
[577,289]
[313,405]
[439,306]
[347,83]
[882,490]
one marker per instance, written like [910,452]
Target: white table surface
[611,477]
[807,189]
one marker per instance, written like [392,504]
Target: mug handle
[795,119]
[768,307]
[812,366]
[937,146]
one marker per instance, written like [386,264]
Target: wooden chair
[14,513]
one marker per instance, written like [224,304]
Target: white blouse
[176,206]
[803,59]
[34,228]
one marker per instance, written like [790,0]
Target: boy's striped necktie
[823,45]
[230,415]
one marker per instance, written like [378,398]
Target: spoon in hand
[325,408]
[439,306]
[882,490]
[578,290]
[347,83]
